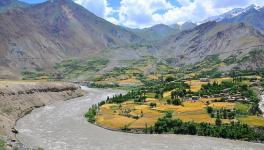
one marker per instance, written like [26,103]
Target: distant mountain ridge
[10,4]
[161,31]
[155,33]
[232,13]
[252,15]
[38,37]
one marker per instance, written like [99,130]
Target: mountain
[41,35]
[155,33]
[161,31]
[187,26]
[232,13]
[10,4]
[211,38]
[251,15]
[176,26]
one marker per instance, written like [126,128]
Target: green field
[2,145]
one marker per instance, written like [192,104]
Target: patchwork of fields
[140,115]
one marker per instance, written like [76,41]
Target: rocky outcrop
[19,98]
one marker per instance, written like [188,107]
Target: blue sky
[145,13]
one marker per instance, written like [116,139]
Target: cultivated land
[17,98]
[132,114]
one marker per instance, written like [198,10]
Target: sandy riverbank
[18,98]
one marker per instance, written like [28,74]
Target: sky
[146,13]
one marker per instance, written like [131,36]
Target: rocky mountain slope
[156,33]
[211,38]
[251,15]
[38,37]
[10,4]
[41,35]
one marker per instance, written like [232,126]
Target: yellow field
[225,105]
[153,77]
[219,80]
[167,94]
[252,120]
[195,85]
[167,107]
[113,121]
[149,118]
[110,115]
[130,81]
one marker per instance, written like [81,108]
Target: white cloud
[135,13]
[98,7]
[145,13]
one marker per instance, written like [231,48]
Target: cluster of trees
[178,93]
[233,88]
[233,131]
[91,114]
[221,113]
[159,89]
[215,88]
[137,95]
[176,102]
[95,85]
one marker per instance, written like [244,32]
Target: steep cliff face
[18,98]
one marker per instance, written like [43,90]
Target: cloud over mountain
[146,13]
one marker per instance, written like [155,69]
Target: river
[61,126]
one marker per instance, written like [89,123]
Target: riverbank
[63,126]
[18,98]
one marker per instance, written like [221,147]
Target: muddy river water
[61,126]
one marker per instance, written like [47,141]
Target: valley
[194,77]
[68,129]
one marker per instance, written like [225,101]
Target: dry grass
[149,118]
[195,85]
[252,120]
[189,111]
[114,121]
[130,81]
[153,77]
[196,118]
[219,80]
[167,94]
[142,122]
[167,107]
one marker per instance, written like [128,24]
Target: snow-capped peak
[233,13]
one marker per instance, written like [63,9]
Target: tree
[176,102]
[218,121]
[209,109]
[152,105]
[169,79]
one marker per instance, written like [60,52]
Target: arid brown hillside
[37,37]
[211,39]
[41,35]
